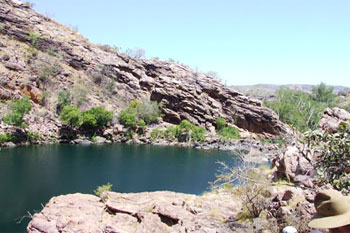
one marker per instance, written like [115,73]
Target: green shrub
[142,123]
[33,136]
[5,138]
[187,131]
[33,38]
[220,123]
[103,188]
[229,132]
[92,119]
[19,109]
[64,98]
[128,119]
[96,118]
[333,160]
[147,111]
[170,132]
[71,116]
[157,133]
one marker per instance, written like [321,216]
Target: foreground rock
[296,164]
[136,212]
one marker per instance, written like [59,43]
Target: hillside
[40,58]
[262,91]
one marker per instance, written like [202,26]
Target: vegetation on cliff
[140,113]
[184,132]
[19,109]
[90,120]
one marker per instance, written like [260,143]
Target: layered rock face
[110,78]
[135,212]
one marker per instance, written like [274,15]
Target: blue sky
[245,41]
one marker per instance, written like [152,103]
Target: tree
[187,131]
[297,108]
[96,118]
[19,109]
[147,111]
[128,118]
[64,98]
[323,94]
[71,116]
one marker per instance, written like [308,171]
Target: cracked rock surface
[161,211]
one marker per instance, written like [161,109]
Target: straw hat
[333,210]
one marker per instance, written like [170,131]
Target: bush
[333,160]
[63,99]
[156,133]
[251,187]
[5,138]
[96,118]
[142,123]
[19,109]
[34,136]
[71,116]
[170,132]
[297,108]
[148,111]
[33,38]
[187,131]
[128,119]
[220,123]
[323,94]
[229,132]
[103,188]
[92,119]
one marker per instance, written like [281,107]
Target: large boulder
[332,117]
[296,164]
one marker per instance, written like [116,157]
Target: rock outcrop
[135,212]
[332,117]
[39,57]
[296,164]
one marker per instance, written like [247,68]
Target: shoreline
[258,152]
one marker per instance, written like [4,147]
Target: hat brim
[322,222]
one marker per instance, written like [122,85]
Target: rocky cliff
[40,57]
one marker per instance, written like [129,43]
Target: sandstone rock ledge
[161,212]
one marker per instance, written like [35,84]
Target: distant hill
[263,91]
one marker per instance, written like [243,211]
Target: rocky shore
[135,212]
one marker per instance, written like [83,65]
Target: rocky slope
[40,57]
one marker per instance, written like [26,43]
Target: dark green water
[30,176]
